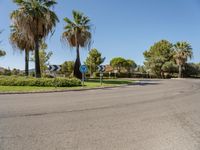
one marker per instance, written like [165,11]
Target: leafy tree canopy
[120,63]
[158,54]
[68,68]
[130,64]
[93,60]
[191,70]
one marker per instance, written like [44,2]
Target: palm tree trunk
[26,62]
[37,60]
[77,64]
[91,73]
[180,71]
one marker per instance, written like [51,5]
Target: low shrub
[41,82]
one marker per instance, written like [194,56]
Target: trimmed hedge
[41,82]
[120,75]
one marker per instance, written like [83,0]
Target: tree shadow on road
[146,83]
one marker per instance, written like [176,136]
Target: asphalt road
[152,115]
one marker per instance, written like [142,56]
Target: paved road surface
[152,115]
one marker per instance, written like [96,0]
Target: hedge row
[130,75]
[43,82]
[120,75]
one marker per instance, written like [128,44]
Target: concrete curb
[62,91]
[181,78]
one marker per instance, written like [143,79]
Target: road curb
[62,91]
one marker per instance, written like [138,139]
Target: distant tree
[118,63]
[156,57]
[93,60]
[68,68]
[141,69]
[170,67]
[130,65]
[7,72]
[183,52]
[15,71]
[191,70]
[77,34]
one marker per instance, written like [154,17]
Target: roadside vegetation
[42,82]
[165,59]
[42,85]
[33,21]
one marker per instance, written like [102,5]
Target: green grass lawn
[106,82]
[91,83]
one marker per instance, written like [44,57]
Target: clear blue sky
[123,28]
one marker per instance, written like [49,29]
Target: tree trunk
[77,64]
[180,71]
[162,74]
[37,60]
[91,73]
[26,62]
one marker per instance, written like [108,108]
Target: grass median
[91,83]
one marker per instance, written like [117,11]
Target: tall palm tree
[21,41]
[183,51]
[77,34]
[37,20]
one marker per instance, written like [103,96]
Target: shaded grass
[107,82]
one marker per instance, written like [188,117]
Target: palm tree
[77,34]
[21,41]
[183,51]
[37,20]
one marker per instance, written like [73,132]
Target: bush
[112,75]
[42,82]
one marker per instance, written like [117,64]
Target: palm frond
[78,30]
[35,17]
[183,51]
